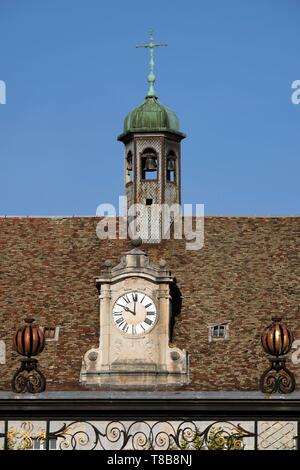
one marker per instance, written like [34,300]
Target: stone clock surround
[144,359]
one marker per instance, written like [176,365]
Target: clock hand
[128,310]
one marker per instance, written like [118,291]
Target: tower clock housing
[137,309]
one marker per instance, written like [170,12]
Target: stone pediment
[134,263]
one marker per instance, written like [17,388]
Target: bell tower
[151,137]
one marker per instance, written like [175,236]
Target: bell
[170,165]
[151,164]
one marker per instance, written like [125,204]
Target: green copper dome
[151,116]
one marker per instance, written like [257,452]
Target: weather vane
[151,76]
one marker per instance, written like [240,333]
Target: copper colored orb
[29,340]
[276,338]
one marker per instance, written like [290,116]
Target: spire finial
[151,76]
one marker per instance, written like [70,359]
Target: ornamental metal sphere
[277,339]
[29,340]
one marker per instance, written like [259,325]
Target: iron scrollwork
[143,435]
[28,378]
[277,378]
[23,436]
[29,341]
[277,339]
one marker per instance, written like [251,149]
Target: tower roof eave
[126,135]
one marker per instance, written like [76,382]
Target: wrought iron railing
[148,435]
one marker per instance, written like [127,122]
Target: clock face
[134,313]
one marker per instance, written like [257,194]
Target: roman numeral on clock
[148,321]
[148,305]
[119,321]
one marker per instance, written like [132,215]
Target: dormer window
[149,164]
[51,333]
[171,167]
[218,331]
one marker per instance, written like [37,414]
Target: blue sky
[72,73]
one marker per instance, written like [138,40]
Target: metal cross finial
[151,76]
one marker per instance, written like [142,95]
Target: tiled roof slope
[247,272]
